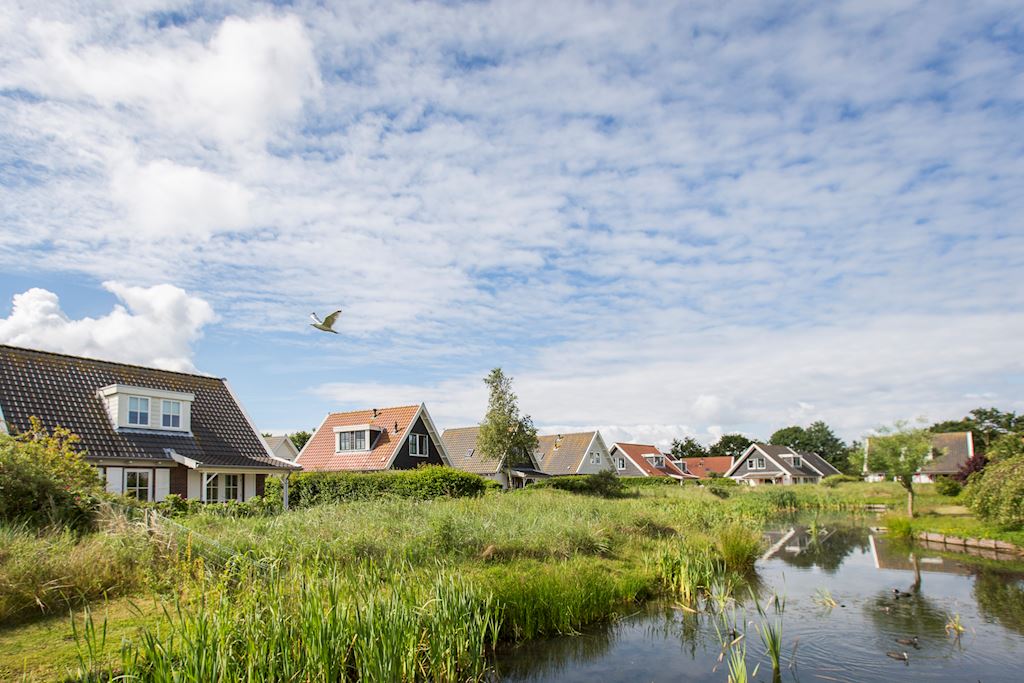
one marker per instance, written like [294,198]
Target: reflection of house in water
[894,555]
[793,541]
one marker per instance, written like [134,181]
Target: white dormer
[355,438]
[656,460]
[146,408]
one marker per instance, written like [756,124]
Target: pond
[855,641]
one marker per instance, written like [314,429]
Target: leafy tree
[1005,447]
[689,447]
[730,444]
[505,434]
[300,438]
[44,480]
[817,438]
[900,452]
[986,425]
[997,494]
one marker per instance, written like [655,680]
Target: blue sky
[661,218]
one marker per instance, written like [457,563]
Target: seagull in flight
[327,324]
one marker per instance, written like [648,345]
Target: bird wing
[329,320]
[315,319]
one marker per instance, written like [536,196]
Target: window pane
[211,489]
[360,441]
[171,414]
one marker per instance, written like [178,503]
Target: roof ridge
[366,410]
[109,362]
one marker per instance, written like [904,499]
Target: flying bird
[327,324]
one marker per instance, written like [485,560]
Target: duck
[897,593]
[909,641]
[901,656]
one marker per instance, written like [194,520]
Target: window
[170,414]
[419,445]
[797,462]
[620,463]
[138,410]
[136,484]
[750,463]
[211,489]
[595,458]
[230,486]
[352,441]
[658,461]
[760,463]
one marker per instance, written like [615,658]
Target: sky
[662,219]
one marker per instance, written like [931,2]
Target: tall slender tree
[505,434]
[900,451]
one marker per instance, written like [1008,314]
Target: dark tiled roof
[60,390]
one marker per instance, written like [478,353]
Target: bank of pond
[545,586]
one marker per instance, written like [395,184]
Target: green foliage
[947,486]
[300,438]
[835,480]
[899,452]
[689,447]
[648,482]
[730,444]
[44,480]
[997,494]
[174,505]
[720,486]
[1005,447]
[505,434]
[605,484]
[816,438]
[898,526]
[433,481]
[986,424]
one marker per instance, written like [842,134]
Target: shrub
[997,494]
[605,484]
[721,486]
[433,481]
[947,486]
[835,480]
[44,480]
[650,481]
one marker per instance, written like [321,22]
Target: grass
[388,589]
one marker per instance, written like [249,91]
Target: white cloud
[155,326]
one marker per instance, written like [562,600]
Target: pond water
[845,643]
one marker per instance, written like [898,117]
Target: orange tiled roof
[637,452]
[319,454]
[703,467]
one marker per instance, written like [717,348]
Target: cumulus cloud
[153,326]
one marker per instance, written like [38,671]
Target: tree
[900,451]
[732,445]
[816,438]
[505,434]
[985,424]
[300,438]
[689,447]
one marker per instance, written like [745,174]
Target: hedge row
[606,484]
[433,481]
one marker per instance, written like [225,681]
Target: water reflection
[888,594]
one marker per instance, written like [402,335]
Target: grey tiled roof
[951,450]
[563,453]
[462,450]
[60,390]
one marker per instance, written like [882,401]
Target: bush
[997,494]
[835,480]
[605,484]
[721,486]
[650,481]
[947,486]
[45,482]
[433,481]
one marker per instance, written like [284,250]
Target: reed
[770,630]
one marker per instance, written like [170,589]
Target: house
[461,444]
[644,460]
[150,432]
[577,453]
[374,439]
[767,464]
[282,447]
[708,467]
[950,452]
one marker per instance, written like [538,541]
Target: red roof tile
[319,454]
[637,453]
[703,467]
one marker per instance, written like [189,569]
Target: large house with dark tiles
[150,432]
[764,463]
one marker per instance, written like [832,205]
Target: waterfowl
[901,656]
[897,593]
[909,641]
[327,324]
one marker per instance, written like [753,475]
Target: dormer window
[355,438]
[798,462]
[170,414]
[138,411]
[352,441]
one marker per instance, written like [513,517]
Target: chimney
[374,413]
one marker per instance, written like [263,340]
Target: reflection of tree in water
[825,550]
[554,655]
[1000,596]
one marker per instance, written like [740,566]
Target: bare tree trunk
[910,502]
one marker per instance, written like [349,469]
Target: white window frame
[658,460]
[595,457]
[223,487]
[751,465]
[138,413]
[419,445]
[213,481]
[352,437]
[164,403]
[620,463]
[798,461]
[761,464]
[136,488]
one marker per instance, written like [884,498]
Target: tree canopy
[688,447]
[299,439]
[985,424]
[730,444]
[818,438]
[505,434]
[899,452]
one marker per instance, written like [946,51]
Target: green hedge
[433,481]
[649,481]
[606,484]
[834,480]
